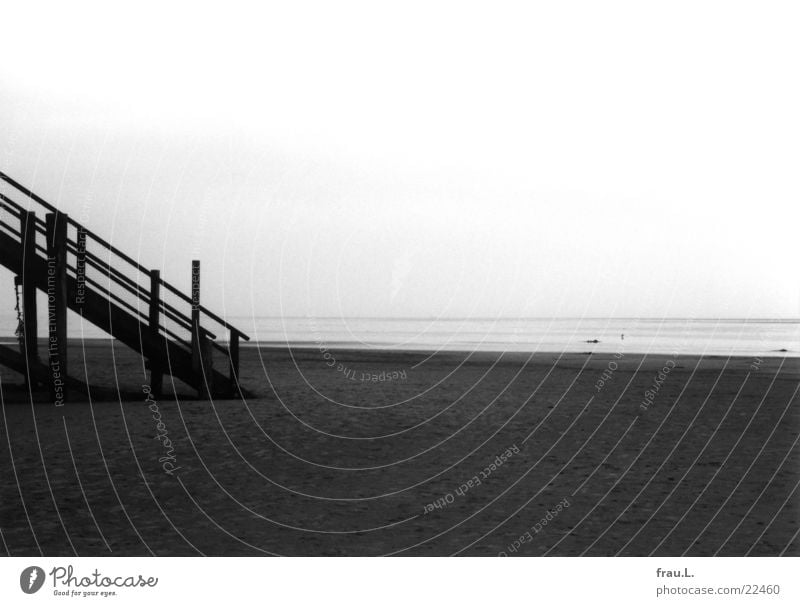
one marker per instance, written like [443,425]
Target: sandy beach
[387,453]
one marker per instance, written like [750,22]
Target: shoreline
[278,347]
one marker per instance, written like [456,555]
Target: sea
[702,336]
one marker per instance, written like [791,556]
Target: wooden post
[233,375]
[29,314]
[80,269]
[200,353]
[156,366]
[57,305]
[207,364]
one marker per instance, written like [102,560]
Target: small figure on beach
[622,337]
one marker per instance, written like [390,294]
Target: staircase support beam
[57,305]
[156,364]
[80,269]
[233,373]
[202,363]
[29,312]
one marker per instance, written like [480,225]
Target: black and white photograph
[353,279]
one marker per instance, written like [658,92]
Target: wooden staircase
[78,270]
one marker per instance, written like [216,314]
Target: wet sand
[378,453]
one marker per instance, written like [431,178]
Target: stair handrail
[116,276]
[102,242]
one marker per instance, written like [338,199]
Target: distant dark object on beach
[782,350]
[593,341]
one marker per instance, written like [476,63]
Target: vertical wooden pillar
[80,269]
[29,313]
[200,350]
[56,288]
[156,363]
[233,374]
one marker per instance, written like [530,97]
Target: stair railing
[146,308]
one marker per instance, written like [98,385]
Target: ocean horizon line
[510,318]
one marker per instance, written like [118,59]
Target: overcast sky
[423,158]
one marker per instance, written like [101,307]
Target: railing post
[201,356]
[29,314]
[80,269]
[156,367]
[233,374]
[57,305]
